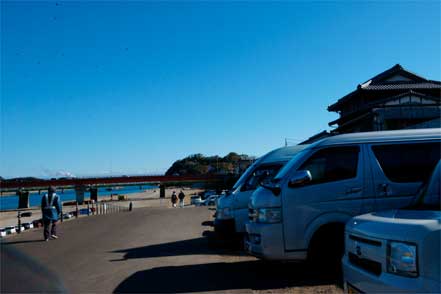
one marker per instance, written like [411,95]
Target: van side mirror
[300,178]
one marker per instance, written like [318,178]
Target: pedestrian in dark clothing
[181,199]
[174,199]
[50,209]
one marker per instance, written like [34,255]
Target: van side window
[260,174]
[403,163]
[332,164]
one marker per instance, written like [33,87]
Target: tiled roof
[380,83]
[368,106]
[403,86]
[393,70]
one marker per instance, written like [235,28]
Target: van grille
[364,240]
[368,265]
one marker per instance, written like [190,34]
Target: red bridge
[34,183]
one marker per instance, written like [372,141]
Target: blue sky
[95,87]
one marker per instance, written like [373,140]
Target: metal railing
[103,207]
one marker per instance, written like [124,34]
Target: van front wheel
[326,248]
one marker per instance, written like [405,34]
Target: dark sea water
[11,202]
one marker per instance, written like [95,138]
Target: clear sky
[90,88]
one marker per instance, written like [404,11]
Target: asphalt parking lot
[157,250]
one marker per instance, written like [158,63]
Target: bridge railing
[40,183]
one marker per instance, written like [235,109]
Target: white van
[302,212]
[232,209]
[396,250]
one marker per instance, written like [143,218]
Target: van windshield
[261,174]
[285,170]
[245,175]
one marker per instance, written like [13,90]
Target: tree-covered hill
[198,164]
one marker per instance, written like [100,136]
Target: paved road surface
[158,250]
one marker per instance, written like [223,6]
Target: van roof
[382,136]
[282,154]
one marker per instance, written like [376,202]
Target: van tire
[326,248]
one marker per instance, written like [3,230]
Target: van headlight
[402,259]
[269,215]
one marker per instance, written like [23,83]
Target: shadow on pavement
[198,246]
[208,223]
[255,275]
[21,242]
[21,274]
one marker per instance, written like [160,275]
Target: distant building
[394,99]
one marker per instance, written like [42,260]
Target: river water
[11,202]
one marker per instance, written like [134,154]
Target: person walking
[174,199]
[181,199]
[50,209]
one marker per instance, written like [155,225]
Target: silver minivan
[396,250]
[232,209]
[302,212]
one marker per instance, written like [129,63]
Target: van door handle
[354,190]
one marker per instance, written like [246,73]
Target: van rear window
[403,163]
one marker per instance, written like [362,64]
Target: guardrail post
[19,222]
[76,209]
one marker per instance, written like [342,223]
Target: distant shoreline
[104,198]
[14,193]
